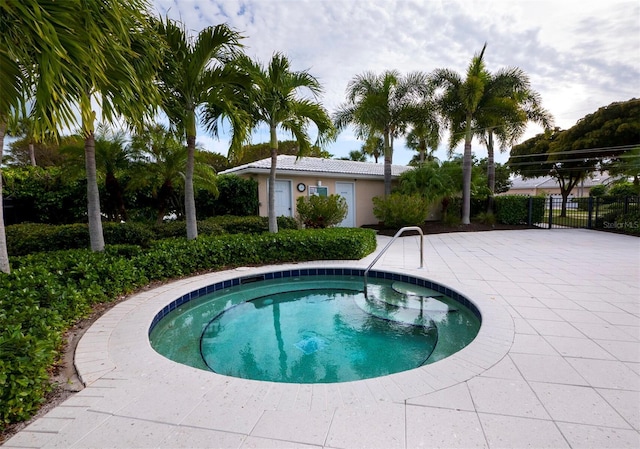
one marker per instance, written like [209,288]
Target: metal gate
[602,213]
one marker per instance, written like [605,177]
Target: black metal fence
[619,214]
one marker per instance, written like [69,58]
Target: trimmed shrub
[514,209]
[173,229]
[30,238]
[397,210]
[318,211]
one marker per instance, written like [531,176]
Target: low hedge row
[514,209]
[47,292]
[30,238]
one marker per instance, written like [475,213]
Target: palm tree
[373,146]
[461,102]
[24,126]
[355,155]
[159,162]
[113,158]
[39,47]
[126,49]
[488,106]
[275,101]
[380,104]
[424,136]
[515,104]
[195,75]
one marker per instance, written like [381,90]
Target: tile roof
[550,183]
[303,165]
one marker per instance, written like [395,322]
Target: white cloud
[579,55]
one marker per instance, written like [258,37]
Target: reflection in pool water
[315,329]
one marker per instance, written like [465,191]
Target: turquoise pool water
[315,329]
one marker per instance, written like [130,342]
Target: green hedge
[514,209]
[28,238]
[46,292]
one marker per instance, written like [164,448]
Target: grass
[574,218]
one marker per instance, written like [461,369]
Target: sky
[580,55]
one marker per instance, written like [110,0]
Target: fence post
[626,205]
[530,218]
[590,207]
[550,211]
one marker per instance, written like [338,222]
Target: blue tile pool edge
[224,284]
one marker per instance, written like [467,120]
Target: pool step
[409,296]
[386,311]
[414,290]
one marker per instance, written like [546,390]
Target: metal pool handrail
[400,231]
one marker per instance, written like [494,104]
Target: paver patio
[556,365]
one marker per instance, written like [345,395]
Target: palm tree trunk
[273,221]
[491,171]
[4,255]
[32,153]
[189,197]
[466,175]
[387,163]
[96,237]
[491,166]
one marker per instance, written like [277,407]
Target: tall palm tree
[126,49]
[505,121]
[195,75]
[276,102]
[380,104]
[113,158]
[39,45]
[461,102]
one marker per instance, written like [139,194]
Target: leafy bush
[478,206]
[318,211]
[487,218]
[178,228]
[47,291]
[30,238]
[237,196]
[623,189]
[514,209]
[286,223]
[397,210]
[598,190]
[43,195]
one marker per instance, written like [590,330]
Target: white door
[347,191]
[283,198]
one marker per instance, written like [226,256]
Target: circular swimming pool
[315,326]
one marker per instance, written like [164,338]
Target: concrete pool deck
[556,363]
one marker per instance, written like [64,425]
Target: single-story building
[357,182]
[548,185]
